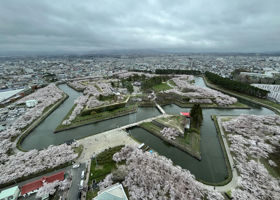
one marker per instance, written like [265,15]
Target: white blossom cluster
[170,133]
[199,94]
[106,88]
[201,101]
[50,188]
[180,78]
[106,182]
[79,103]
[252,136]
[94,102]
[128,74]
[6,143]
[89,99]
[76,85]
[45,96]
[150,176]
[34,161]
[92,91]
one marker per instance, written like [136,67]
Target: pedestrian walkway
[160,109]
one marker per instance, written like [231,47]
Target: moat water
[212,167]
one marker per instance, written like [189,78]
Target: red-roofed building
[58,176]
[186,114]
[29,187]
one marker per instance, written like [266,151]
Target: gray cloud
[193,25]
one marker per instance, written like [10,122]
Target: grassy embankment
[95,117]
[100,113]
[190,143]
[263,102]
[161,87]
[186,104]
[100,167]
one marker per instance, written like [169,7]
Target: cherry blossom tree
[34,161]
[150,176]
[76,85]
[106,182]
[171,133]
[51,188]
[251,138]
[79,104]
[46,97]
[199,94]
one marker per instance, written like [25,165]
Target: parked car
[76,166]
[81,186]
[79,195]
[83,174]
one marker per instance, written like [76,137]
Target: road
[76,178]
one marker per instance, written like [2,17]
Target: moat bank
[211,169]
[43,135]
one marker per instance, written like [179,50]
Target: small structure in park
[115,192]
[188,122]
[186,114]
[10,193]
[31,103]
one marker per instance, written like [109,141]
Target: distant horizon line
[130,52]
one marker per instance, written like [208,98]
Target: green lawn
[173,121]
[151,127]
[172,83]
[191,140]
[161,87]
[79,150]
[86,119]
[189,143]
[105,165]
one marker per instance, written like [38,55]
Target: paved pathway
[97,143]
[160,109]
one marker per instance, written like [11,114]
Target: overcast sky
[93,25]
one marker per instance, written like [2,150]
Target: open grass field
[190,143]
[92,118]
[161,87]
[100,167]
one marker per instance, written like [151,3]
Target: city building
[31,103]
[115,192]
[10,193]
[32,187]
